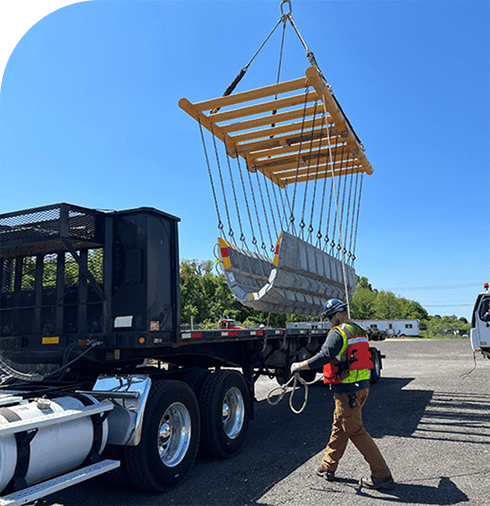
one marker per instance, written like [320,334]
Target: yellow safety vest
[354,360]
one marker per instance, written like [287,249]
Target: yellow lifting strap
[274,129]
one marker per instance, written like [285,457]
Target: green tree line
[372,304]
[206,297]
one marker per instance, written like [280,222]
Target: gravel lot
[429,417]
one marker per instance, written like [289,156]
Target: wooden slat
[280,129]
[322,167]
[324,171]
[292,165]
[275,156]
[272,105]
[246,96]
[278,145]
[271,120]
[287,170]
[284,181]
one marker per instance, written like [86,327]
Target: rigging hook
[283,14]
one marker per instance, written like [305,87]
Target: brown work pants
[347,424]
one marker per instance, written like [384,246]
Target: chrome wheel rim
[174,434]
[233,412]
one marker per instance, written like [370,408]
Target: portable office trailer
[393,328]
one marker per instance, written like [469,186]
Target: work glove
[295,367]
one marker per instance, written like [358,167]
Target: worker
[346,361]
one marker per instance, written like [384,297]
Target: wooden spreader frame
[296,138]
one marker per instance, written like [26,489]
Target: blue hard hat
[333,306]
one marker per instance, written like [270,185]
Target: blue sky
[89,115]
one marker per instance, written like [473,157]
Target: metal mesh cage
[44,229]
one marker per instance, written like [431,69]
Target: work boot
[377,483]
[325,473]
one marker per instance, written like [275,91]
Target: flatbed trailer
[97,375]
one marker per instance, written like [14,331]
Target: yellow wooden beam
[290,169]
[271,146]
[304,176]
[291,145]
[276,129]
[269,121]
[246,96]
[280,146]
[272,105]
[267,159]
[316,80]
[201,118]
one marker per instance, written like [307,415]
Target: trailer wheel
[195,379]
[375,373]
[169,439]
[225,413]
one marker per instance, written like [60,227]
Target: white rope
[283,389]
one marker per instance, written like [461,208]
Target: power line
[447,305]
[440,287]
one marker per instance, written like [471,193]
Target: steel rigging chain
[242,236]
[285,16]
[272,208]
[289,16]
[298,163]
[357,219]
[254,240]
[263,246]
[265,210]
[230,231]
[310,157]
[351,251]
[220,223]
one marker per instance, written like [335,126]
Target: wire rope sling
[288,170]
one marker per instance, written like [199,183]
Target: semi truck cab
[480,323]
[228,323]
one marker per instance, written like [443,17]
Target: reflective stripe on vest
[354,360]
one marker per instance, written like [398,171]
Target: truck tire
[195,379]
[169,438]
[375,373]
[225,413]
[119,477]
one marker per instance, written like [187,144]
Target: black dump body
[79,280]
